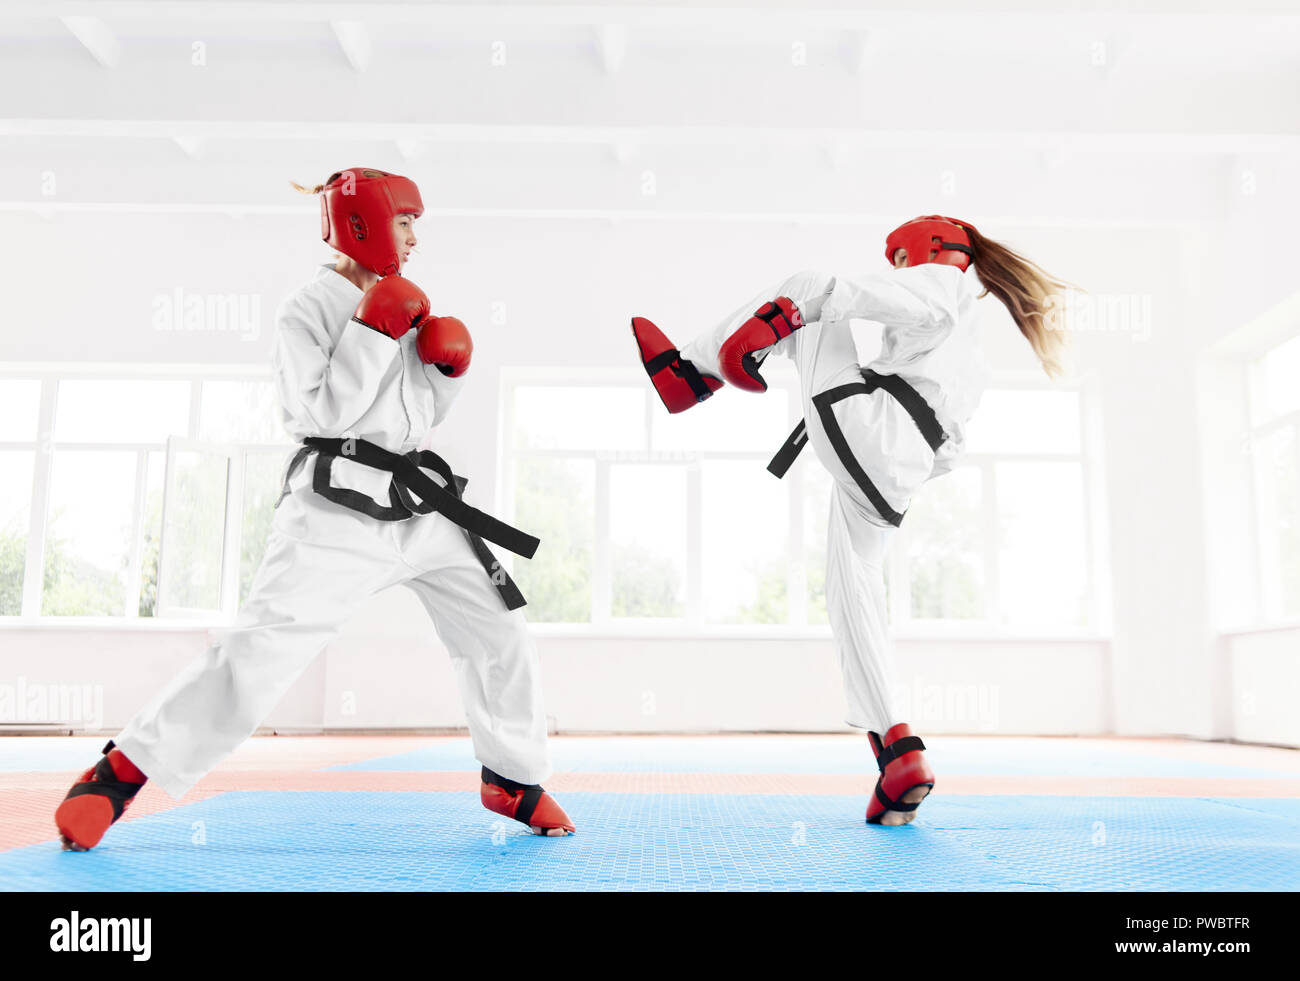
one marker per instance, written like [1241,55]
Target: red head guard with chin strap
[357,208]
[932,238]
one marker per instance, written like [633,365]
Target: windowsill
[649,630]
[774,632]
[110,623]
[1270,626]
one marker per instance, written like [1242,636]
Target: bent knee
[808,283]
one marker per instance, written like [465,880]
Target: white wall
[1148,155]
[1262,674]
[569,287]
[388,670]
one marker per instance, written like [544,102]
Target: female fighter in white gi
[363,372]
[881,431]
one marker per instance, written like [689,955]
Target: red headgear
[932,238]
[357,208]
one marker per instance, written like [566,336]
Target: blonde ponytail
[1027,292]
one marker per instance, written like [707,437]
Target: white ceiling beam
[1055,152]
[355,41]
[411,149]
[611,42]
[625,151]
[854,138]
[838,153]
[863,46]
[96,38]
[1105,50]
[746,217]
[780,16]
[192,146]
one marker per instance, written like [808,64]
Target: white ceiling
[1065,113]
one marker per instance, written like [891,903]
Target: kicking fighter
[881,430]
[363,371]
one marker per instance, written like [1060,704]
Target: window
[99,459]
[1003,538]
[653,517]
[1274,384]
[20,401]
[96,486]
[617,493]
[15,517]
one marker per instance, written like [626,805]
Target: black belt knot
[409,482]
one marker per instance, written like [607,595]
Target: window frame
[601,600]
[782,377]
[1269,603]
[898,558]
[43,446]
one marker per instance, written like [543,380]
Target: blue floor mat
[275,840]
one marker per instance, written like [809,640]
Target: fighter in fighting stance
[881,430]
[363,371]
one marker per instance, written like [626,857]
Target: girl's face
[404,236]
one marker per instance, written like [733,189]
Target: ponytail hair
[309,190]
[1027,292]
[316,190]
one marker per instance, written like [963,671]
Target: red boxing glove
[770,323]
[392,306]
[444,342]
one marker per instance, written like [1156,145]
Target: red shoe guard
[679,383]
[97,800]
[905,776]
[527,803]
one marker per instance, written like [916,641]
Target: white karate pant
[322,561]
[885,442]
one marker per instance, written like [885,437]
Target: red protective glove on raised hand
[444,342]
[392,306]
[771,322]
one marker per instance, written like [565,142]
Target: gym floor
[742,812]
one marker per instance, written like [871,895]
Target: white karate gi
[929,340]
[335,378]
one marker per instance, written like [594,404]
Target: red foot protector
[97,800]
[771,322]
[527,803]
[679,383]
[905,776]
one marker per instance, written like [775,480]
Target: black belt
[408,476]
[906,396]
